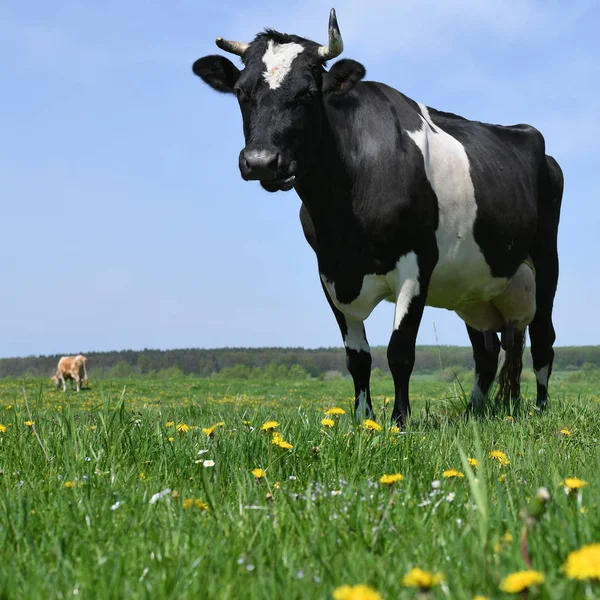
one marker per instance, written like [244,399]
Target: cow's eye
[304,96]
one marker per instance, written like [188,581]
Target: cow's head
[281,91]
[56,380]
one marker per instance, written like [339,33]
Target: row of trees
[251,363]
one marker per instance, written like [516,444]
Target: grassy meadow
[146,489]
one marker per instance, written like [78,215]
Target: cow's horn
[336,44]
[234,47]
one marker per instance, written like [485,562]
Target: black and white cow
[403,202]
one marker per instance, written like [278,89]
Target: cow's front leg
[64,383]
[411,285]
[358,359]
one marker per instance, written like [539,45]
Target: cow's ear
[219,72]
[343,76]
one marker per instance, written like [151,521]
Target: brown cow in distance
[73,368]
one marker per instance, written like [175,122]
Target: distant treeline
[318,362]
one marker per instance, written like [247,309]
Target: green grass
[103,538]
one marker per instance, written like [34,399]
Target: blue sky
[125,223]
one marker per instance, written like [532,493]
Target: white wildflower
[116,505]
[156,497]
[208,463]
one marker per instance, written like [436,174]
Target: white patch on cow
[361,405]
[407,286]
[461,275]
[355,337]
[542,376]
[278,59]
[373,290]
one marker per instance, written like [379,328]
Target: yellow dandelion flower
[583,510]
[182,427]
[565,432]
[92,427]
[422,579]
[219,424]
[507,538]
[371,425]
[29,423]
[171,439]
[335,411]
[258,473]
[269,425]
[452,473]
[395,430]
[573,484]
[209,430]
[169,424]
[175,494]
[285,445]
[520,581]
[583,563]
[502,478]
[500,457]
[69,484]
[277,485]
[2,428]
[355,592]
[327,422]
[473,462]
[201,505]
[509,419]
[389,479]
[481,598]
[142,476]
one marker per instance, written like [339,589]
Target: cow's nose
[259,163]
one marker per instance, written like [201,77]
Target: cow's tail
[509,381]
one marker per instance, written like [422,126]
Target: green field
[80,516]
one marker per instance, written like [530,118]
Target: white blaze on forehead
[278,59]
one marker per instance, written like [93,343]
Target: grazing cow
[73,368]
[403,202]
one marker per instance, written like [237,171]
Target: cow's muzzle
[265,164]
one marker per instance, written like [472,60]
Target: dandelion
[500,457]
[452,473]
[208,463]
[572,484]
[371,425]
[502,478]
[583,563]
[175,494]
[29,423]
[390,479]
[520,581]
[395,430]
[142,476]
[2,428]
[327,422]
[422,579]
[219,424]
[169,424]
[480,598]
[182,427]
[171,439]
[355,592]
[92,427]
[509,419]
[285,445]
[473,462]
[258,473]
[335,411]
[269,426]
[195,502]
[209,430]
[565,432]
[69,484]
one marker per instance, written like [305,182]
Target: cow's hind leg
[358,359]
[509,380]
[544,255]
[486,349]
